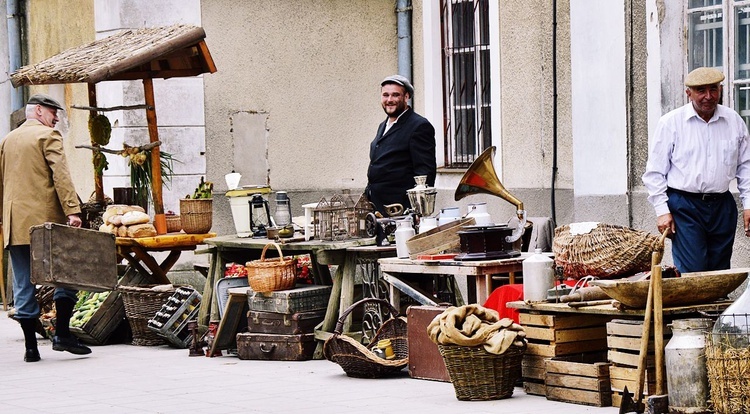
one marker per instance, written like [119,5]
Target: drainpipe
[13,10]
[403,14]
[554,112]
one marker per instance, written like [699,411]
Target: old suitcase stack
[281,324]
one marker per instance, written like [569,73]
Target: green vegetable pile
[87,305]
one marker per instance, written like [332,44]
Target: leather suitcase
[284,323]
[425,361]
[302,298]
[272,347]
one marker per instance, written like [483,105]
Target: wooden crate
[557,335]
[111,313]
[579,379]
[624,345]
[532,372]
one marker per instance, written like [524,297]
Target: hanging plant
[139,161]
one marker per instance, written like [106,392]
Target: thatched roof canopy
[160,52]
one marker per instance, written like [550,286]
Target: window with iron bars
[717,29]
[466,80]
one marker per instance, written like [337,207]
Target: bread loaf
[122,231]
[141,230]
[135,217]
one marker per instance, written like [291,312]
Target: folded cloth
[475,325]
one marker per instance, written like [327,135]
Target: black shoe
[70,344]
[31,355]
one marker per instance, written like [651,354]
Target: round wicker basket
[196,215]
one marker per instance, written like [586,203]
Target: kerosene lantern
[260,216]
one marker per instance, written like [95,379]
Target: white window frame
[433,75]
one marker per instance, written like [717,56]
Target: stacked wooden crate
[554,335]
[624,343]
[281,324]
[579,379]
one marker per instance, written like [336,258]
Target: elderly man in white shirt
[694,154]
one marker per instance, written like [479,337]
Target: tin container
[687,376]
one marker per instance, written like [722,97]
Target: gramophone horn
[481,178]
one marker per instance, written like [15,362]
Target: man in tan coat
[35,187]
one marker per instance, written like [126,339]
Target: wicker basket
[478,375]
[141,304]
[358,360]
[268,275]
[728,369]
[196,215]
[174,224]
[607,251]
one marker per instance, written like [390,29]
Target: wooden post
[160,221]
[98,175]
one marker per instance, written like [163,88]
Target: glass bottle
[732,328]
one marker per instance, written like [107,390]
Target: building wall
[54,26]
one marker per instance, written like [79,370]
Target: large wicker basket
[606,251]
[196,215]
[728,369]
[358,360]
[478,375]
[268,275]
[141,304]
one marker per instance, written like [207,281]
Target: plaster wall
[54,26]
[5,86]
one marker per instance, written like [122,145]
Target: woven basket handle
[278,248]
[340,323]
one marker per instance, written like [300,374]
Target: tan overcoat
[35,183]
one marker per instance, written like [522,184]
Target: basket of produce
[602,250]
[141,304]
[482,352]
[387,353]
[268,275]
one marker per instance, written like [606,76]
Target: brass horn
[481,178]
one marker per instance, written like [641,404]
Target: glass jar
[732,328]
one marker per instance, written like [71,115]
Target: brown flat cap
[704,76]
[46,100]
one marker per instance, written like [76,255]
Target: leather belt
[698,196]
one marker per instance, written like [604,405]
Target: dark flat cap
[46,100]
[399,80]
[704,76]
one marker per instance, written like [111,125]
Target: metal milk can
[538,277]
[687,378]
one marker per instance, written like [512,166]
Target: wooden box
[556,335]
[579,379]
[275,347]
[303,298]
[425,361]
[284,323]
[73,257]
[532,372]
[624,345]
[109,316]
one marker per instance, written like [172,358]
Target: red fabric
[509,293]
[503,295]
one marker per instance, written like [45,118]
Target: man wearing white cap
[404,147]
[694,154]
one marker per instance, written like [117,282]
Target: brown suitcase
[425,361]
[302,298]
[73,258]
[275,347]
[284,323]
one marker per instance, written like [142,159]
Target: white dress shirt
[687,153]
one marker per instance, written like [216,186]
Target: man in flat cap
[694,154]
[404,147]
[36,187]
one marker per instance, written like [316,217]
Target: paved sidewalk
[135,379]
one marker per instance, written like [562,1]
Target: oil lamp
[260,217]
[283,214]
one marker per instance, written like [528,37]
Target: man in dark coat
[403,148]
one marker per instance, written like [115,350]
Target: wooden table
[608,309]
[479,273]
[323,253]
[137,251]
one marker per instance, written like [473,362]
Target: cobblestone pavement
[134,379]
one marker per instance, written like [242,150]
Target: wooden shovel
[628,405]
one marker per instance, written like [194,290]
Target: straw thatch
[161,52]
[728,369]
